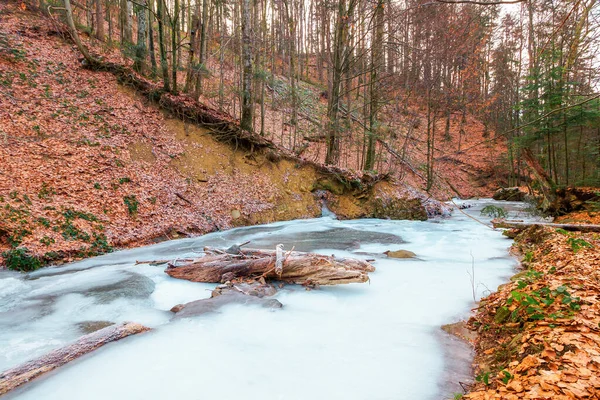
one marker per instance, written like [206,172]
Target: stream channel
[378,340]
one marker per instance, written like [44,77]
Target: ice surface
[380,340]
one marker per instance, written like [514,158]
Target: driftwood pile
[219,266]
[245,273]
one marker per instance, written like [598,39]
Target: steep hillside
[469,161]
[87,164]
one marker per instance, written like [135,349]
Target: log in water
[24,373]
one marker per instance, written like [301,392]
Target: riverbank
[539,335]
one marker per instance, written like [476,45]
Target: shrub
[494,212]
[20,259]
[132,205]
[578,244]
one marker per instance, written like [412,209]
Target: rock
[510,194]
[93,326]
[133,286]
[400,254]
[177,308]
[125,284]
[461,331]
[330,184]
[399,208]
[251,289]
[204,306]
[502,315]
[235,214]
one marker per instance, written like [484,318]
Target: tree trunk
[24,373]
[547,186]
[333,106]
[126,26]
[161,44]
[84,51]
[110,22]
[203,44]
[174,35]
[376,66]
[246,106]
[140,49]
[151,38]
[191,69]
[292,26]
[99,21]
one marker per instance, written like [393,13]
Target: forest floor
[539,335]
[87,165]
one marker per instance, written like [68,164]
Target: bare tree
[246,106]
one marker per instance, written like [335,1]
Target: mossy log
[24,373]
[296,267]
[502,223]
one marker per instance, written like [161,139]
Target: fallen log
[296,267]
[502,223]
[24,373]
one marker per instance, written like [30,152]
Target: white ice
[380,340]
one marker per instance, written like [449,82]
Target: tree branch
[479,3]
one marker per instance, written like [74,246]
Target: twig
[158,262]
[472,217]
[182,198]
[289,254]
[472,277]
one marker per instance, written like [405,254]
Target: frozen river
[380,340]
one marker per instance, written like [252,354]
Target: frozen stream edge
[375,341]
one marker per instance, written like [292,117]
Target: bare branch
[479,3]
